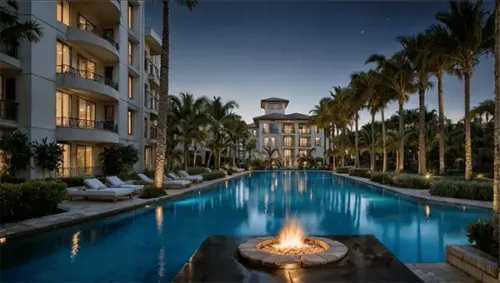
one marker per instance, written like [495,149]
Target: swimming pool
[153,243]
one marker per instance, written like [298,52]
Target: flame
[291,235]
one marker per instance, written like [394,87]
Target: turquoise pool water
[152,243]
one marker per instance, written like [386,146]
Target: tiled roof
[252,125]
[274,99]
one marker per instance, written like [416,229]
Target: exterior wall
[268,110]
[37,81]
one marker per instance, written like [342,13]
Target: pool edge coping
[77,218]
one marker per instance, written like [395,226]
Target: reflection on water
[153,244]
[75,245]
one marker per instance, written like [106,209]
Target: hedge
[30,199]
[196,170]
[344,170]
[410,181]
[481,233]
[476,190]
[360,172]
[150,191]
[213,175]
[72,181]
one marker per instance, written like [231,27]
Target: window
[315,129]
[287,153]
[130,87]
[85,24]
[130,117]
[288,129]
[63,57]
[63,109]
[269,142]
[265,128]
[274,106]
[147,157]
[288,141]
[304,142]
[63,12]
[130,53]
[66,160]
[302,152]
[109,113]
[303,129]
[86,113]
[145,127]
[254,132]
[317,141]
[129,17]
[86,68]
[84,158]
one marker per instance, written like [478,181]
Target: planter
[474,262]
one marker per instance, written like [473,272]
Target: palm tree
[271,156]
[360,83]
[486,108]
[397,76]
[12,31]
[190,116]
[198,141]
[237,131]
[164,100]
[250,146]
[418,49]
[496,186]
[321,116]
[471,36]
[307,157]
[219,113]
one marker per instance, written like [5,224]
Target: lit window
[63,57]
[287,141]
[130,53]
[318,141]
[64,168]
[130,87]
[265,128]
[63,12]
[269,142]
[86,114]
[287,153]
[129,17]
[63,109]
[147,157]
[304,142]
[130,116]
[84,158]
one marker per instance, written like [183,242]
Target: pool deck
[77,211]
[422,194]
[439,273]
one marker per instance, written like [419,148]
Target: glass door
[86,113]
[84,159]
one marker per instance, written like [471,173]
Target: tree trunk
[384,148]
[161,136]
[441,123]
[468,146]
[496,184]
[401,165]
[422,150]
[342,155]
[372,151]
[194,157]
[209,157]
[186,153]
[234,156]
[356,143]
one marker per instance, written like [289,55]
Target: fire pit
[292,249]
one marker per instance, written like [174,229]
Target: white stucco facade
[91,81]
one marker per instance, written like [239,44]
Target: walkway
[440,273]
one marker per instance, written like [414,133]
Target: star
[387,19]
[298,62]
[362,31]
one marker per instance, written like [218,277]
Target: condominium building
[291,134]
[91,81]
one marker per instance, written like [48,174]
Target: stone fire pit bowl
[251,251]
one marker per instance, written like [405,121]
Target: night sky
[248,51]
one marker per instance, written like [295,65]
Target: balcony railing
[79,171]
[271,131]
[305,131]
[9,49]
[152,133]
[8,110]
[151,102]
[100,33]
[67,69]
[152,69]
[86,124]
[290,130]
[288,144]
[305,144]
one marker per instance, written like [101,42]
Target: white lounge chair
[95,184]
[166,182]
[184,174]
[117,182]
[176,177]
[108,193]
[239,170]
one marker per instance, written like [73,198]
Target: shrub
[17,151]
[196,170]
[481,234]
[383,178]
[30,199]
[72,181]
[344,170]
[476,190]
[11,179]
[118,159]
[48,156]
[151,192]
[360,172]
[213,175]
[256,164]
[411,181]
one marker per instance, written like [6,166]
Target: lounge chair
[169,184]
[107,193]
[184,174]
[239,170]
[175,177]
[117,182]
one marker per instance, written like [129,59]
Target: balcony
[305,144]
[69,77]
[154,41]
[153,73]
[8,114]
[95,41]
[151,102]
[152,133]
[271,131]
[74,129]
[305,131]
[288,144]
[9,59]
[289,130]
[79,171]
